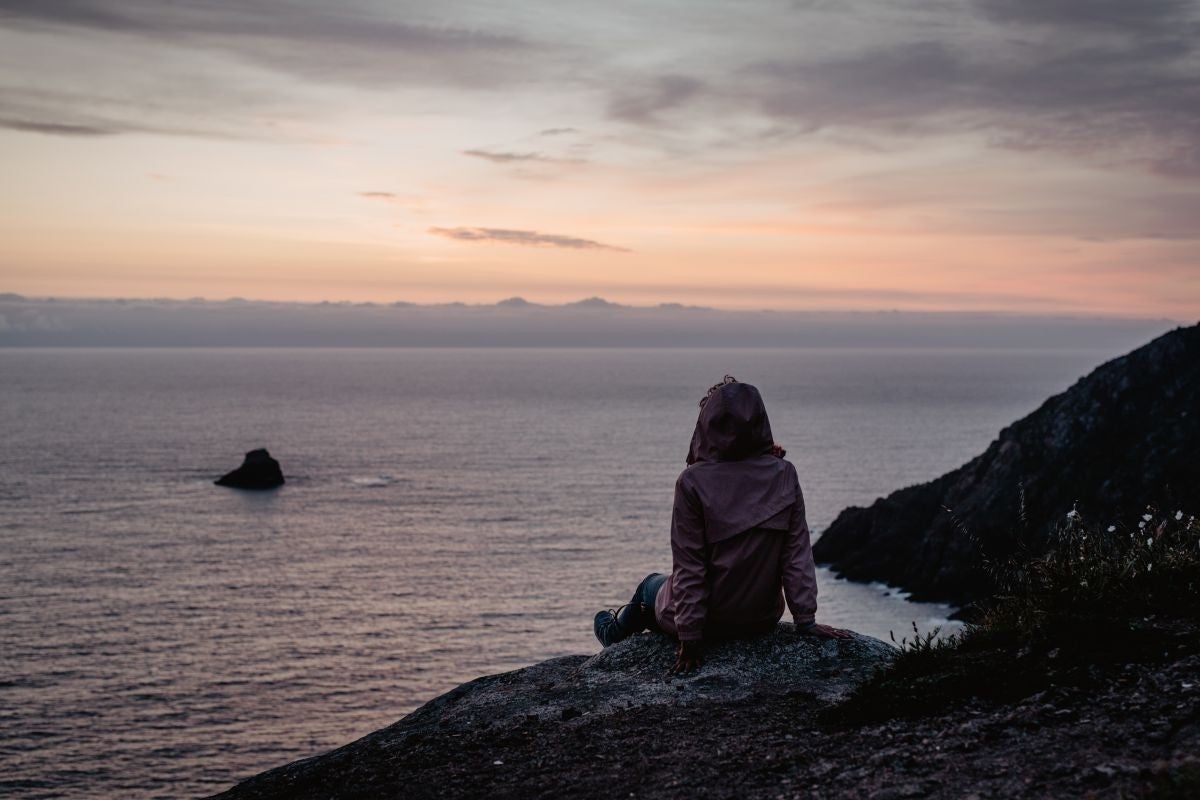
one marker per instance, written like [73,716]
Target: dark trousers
[638,614]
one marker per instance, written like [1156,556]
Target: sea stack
[258,471]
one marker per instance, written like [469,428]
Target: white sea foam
[372,481]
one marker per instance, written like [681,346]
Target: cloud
[528,238]
[1077,76]
[378,195]
[1112,15]
[355,45]
[643,104]
[107,128]
[505,158]
[85,114]
[588,323]
[56,128]
[508,157]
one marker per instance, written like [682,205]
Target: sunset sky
[1016,155]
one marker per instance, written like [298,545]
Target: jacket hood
[731,471]
[732,426]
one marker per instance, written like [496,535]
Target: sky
[1029,156]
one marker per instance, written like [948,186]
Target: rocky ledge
[570,693]
[757,722]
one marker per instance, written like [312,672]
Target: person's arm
[799,569]
[689,566]
[800,576]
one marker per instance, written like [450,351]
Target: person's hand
[824,632]
[778,451]
[689,657]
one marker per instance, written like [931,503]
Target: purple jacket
[739,540]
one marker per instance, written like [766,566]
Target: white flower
[1072,514]
[1178,516]
[1149,542]
[1147,517]
[1149,567]
[1112,528]
[1142,524]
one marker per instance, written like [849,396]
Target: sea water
[447,514]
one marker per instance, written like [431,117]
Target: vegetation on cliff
[1097,597]
[1099,607]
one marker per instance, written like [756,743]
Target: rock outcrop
[258,471]
[577,690]
[1125,436]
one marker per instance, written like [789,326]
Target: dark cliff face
[1125,436]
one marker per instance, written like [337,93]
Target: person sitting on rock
[739,539]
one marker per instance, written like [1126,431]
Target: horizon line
[589,302]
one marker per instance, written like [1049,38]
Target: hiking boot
[606,627]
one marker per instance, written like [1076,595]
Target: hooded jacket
[739,539]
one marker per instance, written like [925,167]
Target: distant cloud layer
[515,322]
[528,238]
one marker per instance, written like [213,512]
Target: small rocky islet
[258,471]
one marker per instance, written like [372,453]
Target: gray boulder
[633,674]
[574,689]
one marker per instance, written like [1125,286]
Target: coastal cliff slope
[1125,436]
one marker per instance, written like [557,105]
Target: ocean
[449,513]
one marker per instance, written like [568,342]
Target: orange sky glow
[897,155]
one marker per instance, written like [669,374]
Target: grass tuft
[1100,596]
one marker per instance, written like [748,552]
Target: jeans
[638,615]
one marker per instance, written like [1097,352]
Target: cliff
[1122,437]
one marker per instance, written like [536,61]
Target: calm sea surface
[448,513]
